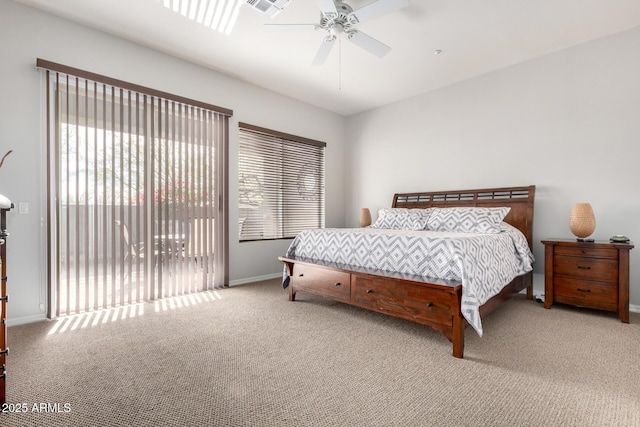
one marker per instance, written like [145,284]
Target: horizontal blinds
[281,184]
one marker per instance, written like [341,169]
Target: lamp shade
[582,221]
[365,217]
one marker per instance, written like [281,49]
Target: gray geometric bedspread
[483,263]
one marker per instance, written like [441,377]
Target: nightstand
[593,275]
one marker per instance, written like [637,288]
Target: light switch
[23,207]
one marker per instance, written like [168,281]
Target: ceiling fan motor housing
[337,23]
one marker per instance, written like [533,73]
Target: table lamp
[582,221]
[365,217]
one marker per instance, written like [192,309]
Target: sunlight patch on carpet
[94,318]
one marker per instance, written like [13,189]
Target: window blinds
[281,184]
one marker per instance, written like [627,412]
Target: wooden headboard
[519,199]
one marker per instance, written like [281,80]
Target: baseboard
[634,308]
[255,279]
[26,319]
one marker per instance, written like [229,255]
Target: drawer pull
[337,284]
[5,298]
[584,290]
[429,304]
[369,291]
[5,351]
[585,267]
[584,251]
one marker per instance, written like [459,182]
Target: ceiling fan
[337,17]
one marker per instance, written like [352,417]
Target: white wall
[27,34]
[568,122]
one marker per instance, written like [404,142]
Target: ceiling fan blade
[327,7]
[377,8]
[368,43]
[324,50]
[290,26]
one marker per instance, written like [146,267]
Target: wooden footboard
[435,303]
[432,302]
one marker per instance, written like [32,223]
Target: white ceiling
[476,37]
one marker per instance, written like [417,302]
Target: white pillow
[402,219]
[467,220]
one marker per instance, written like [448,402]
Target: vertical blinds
[281,184]
[132,193]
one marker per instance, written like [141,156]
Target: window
[281,184]
[137,197]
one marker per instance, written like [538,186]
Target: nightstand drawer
[605,270]
[585,293]
[586,251]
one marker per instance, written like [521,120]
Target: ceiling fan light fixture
[336,29]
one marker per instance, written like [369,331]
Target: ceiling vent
[269,7]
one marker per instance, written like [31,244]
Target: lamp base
[579,239]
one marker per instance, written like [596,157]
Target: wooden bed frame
[432,302]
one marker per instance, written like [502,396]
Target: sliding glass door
[134,195]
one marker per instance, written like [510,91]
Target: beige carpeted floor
[246,356]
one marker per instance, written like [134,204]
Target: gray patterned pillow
[467,220]
[402,219]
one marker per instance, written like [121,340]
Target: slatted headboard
[519,199]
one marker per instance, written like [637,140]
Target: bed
[458,290]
